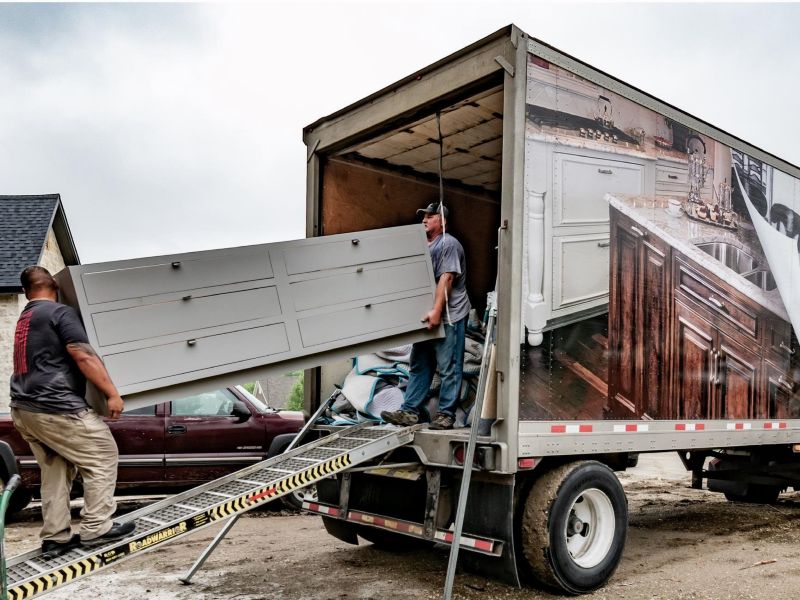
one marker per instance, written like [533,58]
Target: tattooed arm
[95,371]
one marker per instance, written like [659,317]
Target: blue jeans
[446,354]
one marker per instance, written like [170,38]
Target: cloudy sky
[169,128]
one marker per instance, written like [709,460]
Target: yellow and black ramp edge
[67,573]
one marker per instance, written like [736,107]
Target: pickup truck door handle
[176,429]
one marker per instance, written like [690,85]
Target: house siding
[11,306]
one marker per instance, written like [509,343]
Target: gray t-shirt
[45,378]
[447,256]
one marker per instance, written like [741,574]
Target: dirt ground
[682,544]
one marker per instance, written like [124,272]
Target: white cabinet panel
[168,325]
[580,271]
[581,182]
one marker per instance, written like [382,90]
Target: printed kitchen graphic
[662,276]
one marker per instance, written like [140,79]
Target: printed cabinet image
[648,293]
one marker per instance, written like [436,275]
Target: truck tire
[294,500]
[755,494]
[573,527]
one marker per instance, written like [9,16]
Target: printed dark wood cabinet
[639,316]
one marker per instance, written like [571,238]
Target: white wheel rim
[306,494]
[590,526]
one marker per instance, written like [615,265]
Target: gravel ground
[682,544]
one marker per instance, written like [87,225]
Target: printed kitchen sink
[762,279]
[731,256]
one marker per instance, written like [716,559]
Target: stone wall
[10,307]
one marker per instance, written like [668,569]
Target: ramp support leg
[187,579]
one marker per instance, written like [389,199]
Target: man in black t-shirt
[52,361]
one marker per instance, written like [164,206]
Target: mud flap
[490,513]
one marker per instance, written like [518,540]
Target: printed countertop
[682,233]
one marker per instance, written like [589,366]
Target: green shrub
[250,387]
[295,401]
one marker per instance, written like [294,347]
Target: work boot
[52,549]
[442,421]
[403,418]
[117,531]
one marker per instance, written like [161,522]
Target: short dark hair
[36,278]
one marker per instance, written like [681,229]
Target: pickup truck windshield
[260,405]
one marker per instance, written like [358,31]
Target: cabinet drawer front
[192,314]
[580,184]
[311,257]
[405,314]
[672,175]
[358,285]
[158,362]
[580,269]
[139,279]
[718,303]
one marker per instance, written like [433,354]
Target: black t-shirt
[45,378]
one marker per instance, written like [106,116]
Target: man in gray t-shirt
[451,307]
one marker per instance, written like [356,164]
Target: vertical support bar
[434,479]
[187,579]
[344,494]
[470,454]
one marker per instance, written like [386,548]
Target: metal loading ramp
[30,575]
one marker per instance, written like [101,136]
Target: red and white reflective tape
[774,425]
[739,426]
[570,428]
[467,542]
[690,426]
[321,508]
[403,526]
[631,427]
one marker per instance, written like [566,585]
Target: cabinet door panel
[780,388]
[653,334]
[693,358]
[737,380]
[580,184]
[623,316]
[580,269]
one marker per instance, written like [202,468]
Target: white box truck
[647,275]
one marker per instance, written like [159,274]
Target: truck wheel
[19,500]
[755,494]
[574,524]
[294,500]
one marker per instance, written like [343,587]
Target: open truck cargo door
[170,326]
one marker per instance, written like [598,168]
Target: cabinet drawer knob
[671,176]
[716,302]
[191,342]
[368,306]
[359,269]
[187,298]
[176,264]
[786,348]
[355,241]
[603,244]
[638,231]
[605,171]
[786,384]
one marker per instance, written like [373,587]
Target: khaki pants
[66,444]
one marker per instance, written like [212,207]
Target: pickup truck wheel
[19,500]
[574,524]
[755,494]
[294,500]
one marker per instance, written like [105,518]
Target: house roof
[24,222]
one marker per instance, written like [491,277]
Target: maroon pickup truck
[175,445]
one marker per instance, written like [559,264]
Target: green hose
[5,498]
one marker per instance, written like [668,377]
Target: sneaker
[52,549]
[442,421]
[117,531]
[400,417]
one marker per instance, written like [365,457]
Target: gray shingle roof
[24,221]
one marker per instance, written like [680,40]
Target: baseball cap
[433,208]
